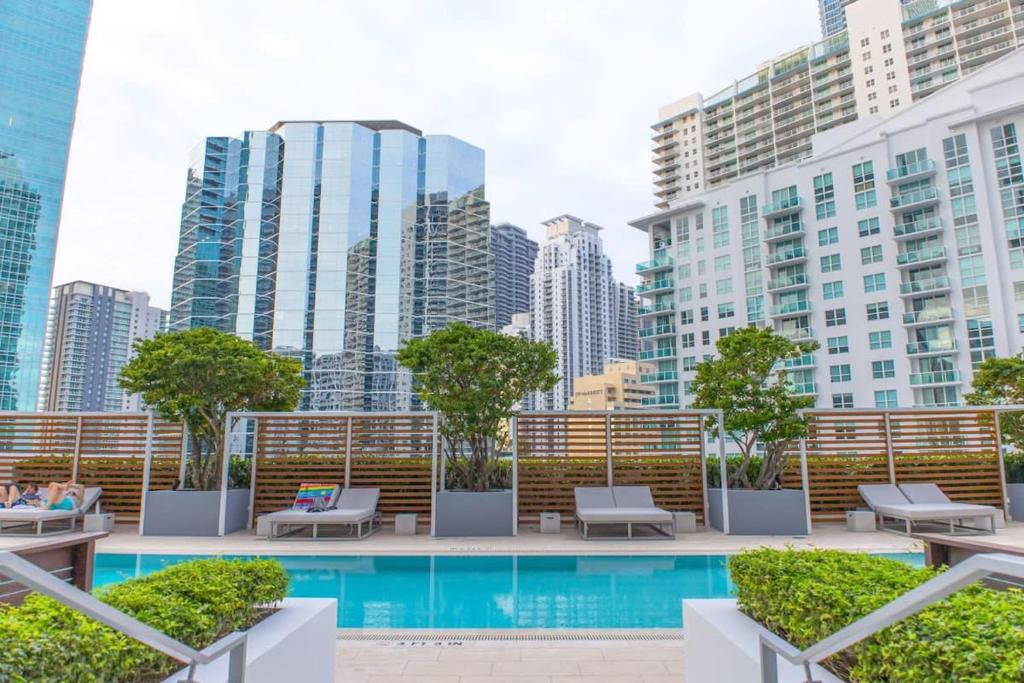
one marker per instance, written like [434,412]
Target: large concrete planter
[472,513]
[1015,492]
[722,645]
[756,513]
[193,513]
[295,643]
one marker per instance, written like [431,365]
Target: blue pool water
[447,591]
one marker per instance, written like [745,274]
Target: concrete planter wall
[777,513]
[722,645]
[1015,492]
[193,513]
[296,642]
[471,513]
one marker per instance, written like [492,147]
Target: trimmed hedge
[196,602]
[1014,463]
[803,596]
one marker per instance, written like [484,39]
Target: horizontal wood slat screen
[956,450]
[560,451]
[111,454]
[390,452]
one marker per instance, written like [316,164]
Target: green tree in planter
[1000,381]
[198,376]
[475,378]
[748,383]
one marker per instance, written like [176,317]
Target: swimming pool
[507,591]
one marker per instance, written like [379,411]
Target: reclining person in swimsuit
[12,497]
[66,496]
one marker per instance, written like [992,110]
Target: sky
[559,93]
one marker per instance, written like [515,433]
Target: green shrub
[1014,468]
[196,602]
[975,635]
[732,463]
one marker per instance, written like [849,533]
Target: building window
[868,227]
[872,254]
[874,283]
[880,340]
[878,311]
[831,263]
[839,373]
[833,290]
[864,185]
[828,236]
[838,345]
[883,369]
[727,310]
[723,287]
[720,226]
[886,399]
[686,317]
[723,264]
[755,309]
[835,317]
[824,196]
[705,338]
[704,315]
[689,363]
[842,400]
[687,340]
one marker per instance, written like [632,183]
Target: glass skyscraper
[334,241]
[42,43]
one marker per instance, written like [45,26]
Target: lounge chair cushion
[923,512]
[633,497]
[925,494]
[594,497]
[617,515]
[352,516]
[881,494]
[310,495]
[358,498]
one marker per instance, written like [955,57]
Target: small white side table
[263,526]
[550,523]
[860,520]
[405,524]
[98,522]
[684,522]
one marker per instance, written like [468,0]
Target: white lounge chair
[620,505]
[354,508]
[891,502]
[24,520]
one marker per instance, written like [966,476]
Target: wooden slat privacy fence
[391,451]
[560,451]
[97,449]
[956,449]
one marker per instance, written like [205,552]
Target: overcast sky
[560,94]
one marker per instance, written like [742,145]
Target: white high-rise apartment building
[575,306]
[889,55]
[898,246]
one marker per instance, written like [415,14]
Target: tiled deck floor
[520,662]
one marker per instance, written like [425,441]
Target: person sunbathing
[66,496]
[13,496]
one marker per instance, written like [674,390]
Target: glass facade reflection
[333,241]
[42,43]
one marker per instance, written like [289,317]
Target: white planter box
[722,645]
[297,640]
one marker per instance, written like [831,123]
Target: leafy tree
[475,378]
[1000,381]
[748,383]
[199,375]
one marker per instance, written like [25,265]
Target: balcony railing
[917,227]
[666,376]
[662,243]
[668,307]
[786,255]
[804,388]
[663,400]
[921,286]
[920,255]
[654,354]
[904,173]
[788,230]
[908,199]
[660,263]
[931,378]
[663,283]
[796,333]
[782,206]
[800,279]
[928,315]
[931,346]
[790,308]
[657,331]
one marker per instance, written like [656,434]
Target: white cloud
[560,94]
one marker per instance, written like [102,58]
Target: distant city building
[574,305]
[888,56]
[514,255]
[90,332]
[832,13]
[333,242]
[619,387]
[41,47]
[627,342]
[519,327]
[898,248]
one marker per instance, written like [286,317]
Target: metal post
[703,467]
[147,467]
[888,449]
[514,426]
[348,452]
[608,447]
[78,450]
[184,455]
[433,479]
[805,482]
[724,472]
[252,472]
[1002,467]
[226,457]
[236,663]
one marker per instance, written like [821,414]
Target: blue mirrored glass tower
[42,43]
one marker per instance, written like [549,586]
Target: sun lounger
[621,506]
[890,502]
[23,520]
[355,510]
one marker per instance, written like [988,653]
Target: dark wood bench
[944,550]
[69,557]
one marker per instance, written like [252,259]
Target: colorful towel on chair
[313,495]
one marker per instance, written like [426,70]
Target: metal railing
[39,580]
[908,604]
